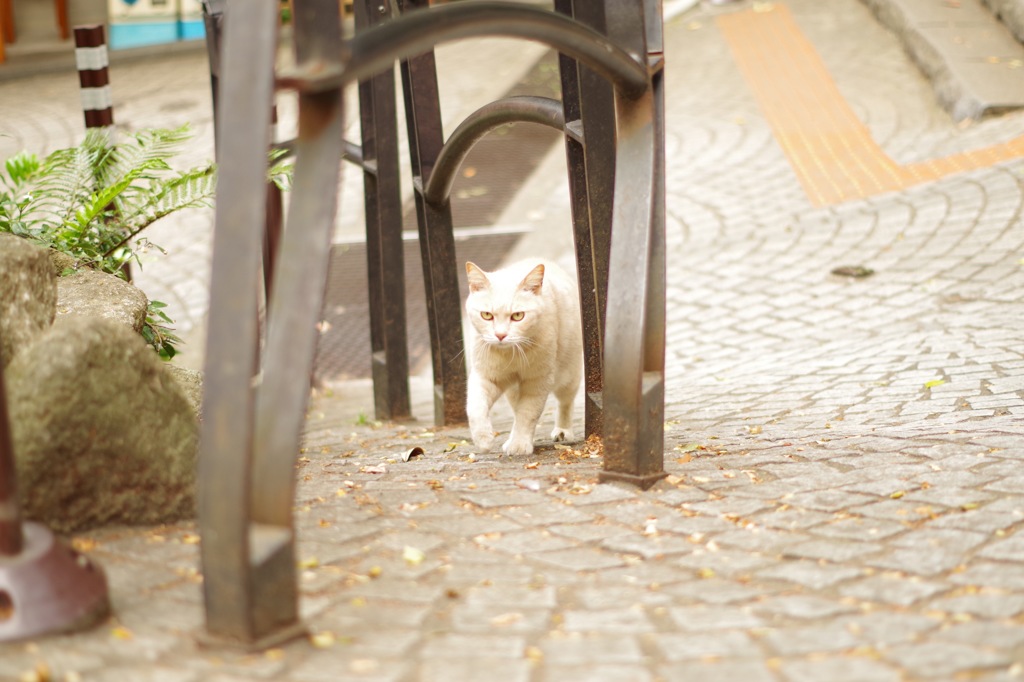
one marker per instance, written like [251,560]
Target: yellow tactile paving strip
[830,149]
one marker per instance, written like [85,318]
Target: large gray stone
[1011,13]
[963,49]
[102,434]
[191,383]
[28,294]
[89,293]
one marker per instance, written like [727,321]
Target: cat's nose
[500,335]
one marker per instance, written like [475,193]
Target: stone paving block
[833,551]
[539,596]
[598,673]
[503,498]
[730,645]
[807,640]
[21,661]
[703,618]
[929,537]
[1009,484]
[358,613]
[920,561]
[729,509]
[498,570]
[383,587]
[839,669]
[857,528]
[814,575]
[990,522]
[625,621]
[468,525]
[981,573]
[757,539]
[1002,635]
[525,542]
[350,669]
[547,514]
[457,646]
[144,674]
[588,532]
[726,671]
[648,546]
[806,607]
[991,605]
[719,591]
[894,589]
[598,495]
[785,517]
[935,659]
[630,592]
[579,649]
[492,618]
[726,563]
[1009,549]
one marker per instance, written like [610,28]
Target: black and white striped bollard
[93,75]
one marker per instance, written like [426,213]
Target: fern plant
[91,201]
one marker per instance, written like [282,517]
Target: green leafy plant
[91,201]
[157,332]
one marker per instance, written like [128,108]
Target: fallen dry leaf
[413,556]
[122,633]
[322,640]
[506,619]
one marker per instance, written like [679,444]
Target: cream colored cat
[526,342]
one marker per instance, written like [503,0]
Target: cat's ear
[533,281]
[476,277]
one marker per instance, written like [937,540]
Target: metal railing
[612,118]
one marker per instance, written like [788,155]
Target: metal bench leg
[437,242]
[590,156]
[385,264]
[225,466]
[634,396]
[249,438]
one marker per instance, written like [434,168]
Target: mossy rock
[102,433]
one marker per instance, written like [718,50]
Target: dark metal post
[229,542]
[385,258]
[634,388]
[437,241]
[213,22]
[252,424]
[588,101]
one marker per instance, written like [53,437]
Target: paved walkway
[844,452]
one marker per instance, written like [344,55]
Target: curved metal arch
[378,48]
[543,110]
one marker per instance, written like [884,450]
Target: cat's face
[504,310]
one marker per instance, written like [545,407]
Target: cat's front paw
[559,434]
[483,438]
[514,447]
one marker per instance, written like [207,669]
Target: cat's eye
[486,315]
[518,316]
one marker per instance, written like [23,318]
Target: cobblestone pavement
[844,452]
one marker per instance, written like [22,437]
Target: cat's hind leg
[481,395]
[566,396]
